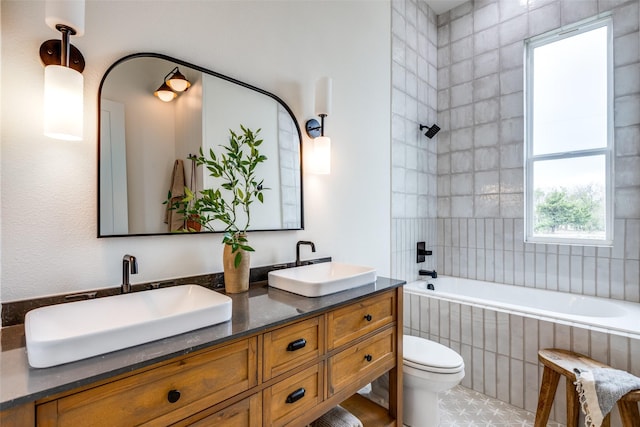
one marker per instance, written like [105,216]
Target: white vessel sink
[66,332]
[325,278]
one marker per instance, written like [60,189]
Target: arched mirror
[145,144]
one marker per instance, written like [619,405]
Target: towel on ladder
[172,217]
[599,390]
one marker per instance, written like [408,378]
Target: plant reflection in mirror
[235,168]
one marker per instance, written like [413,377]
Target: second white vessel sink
[64,333]
[325,278]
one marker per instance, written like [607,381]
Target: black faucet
[129,262]
[432,273]
[303,242]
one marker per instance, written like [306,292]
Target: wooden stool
[561,362]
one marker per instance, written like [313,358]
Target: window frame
[603,20]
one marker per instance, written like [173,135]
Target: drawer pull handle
[296,395]
[297,344]
[173,396]
[368,357]
[368,317]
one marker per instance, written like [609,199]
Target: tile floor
[462,407]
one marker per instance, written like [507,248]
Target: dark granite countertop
[259,309]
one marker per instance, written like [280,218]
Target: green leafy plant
[572,209]
[235,168]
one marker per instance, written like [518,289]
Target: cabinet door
[162,395]
[292,397]
[292,346]
[353,321]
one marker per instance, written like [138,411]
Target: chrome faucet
[129,263]
[303,242]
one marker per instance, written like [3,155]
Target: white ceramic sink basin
[66,332]
[325,278]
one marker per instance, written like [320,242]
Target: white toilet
[428,369]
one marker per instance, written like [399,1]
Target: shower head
[431,131]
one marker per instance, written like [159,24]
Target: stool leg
[606,422]
[629,413]
[548,388]
[573,405]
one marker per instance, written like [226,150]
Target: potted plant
[230,202]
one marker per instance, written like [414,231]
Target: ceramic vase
[236,279]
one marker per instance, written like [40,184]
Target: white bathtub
[601,314]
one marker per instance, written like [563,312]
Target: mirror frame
[215,74]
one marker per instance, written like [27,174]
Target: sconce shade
[165,93]
[320,155]
[323,96]
[63,103]
[69,13]
[178,82]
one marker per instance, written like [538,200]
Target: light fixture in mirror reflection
[141,139]
[173,82]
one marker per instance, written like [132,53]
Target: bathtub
[599,314]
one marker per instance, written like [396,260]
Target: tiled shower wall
[480,150]
[414,157]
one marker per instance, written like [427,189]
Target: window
[569,135]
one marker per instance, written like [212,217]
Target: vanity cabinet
[287,375]
[162,395]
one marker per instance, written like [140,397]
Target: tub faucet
[300,243]
[129,263]
[432,273]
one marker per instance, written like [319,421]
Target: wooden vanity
[285,375]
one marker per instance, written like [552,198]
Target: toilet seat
[426,355]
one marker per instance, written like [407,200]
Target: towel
[337,417]
[599,390]
[172,217]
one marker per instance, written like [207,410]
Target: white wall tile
[478,369]
[502,379]
[485,17]
[573,11]
[483,65]
[544,19]
[514,30]
[486,40]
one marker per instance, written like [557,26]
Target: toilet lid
[430,355]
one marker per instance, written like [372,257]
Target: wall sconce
[431,131]
[63,81]
[319,156]
[173,82]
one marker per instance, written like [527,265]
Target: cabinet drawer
[292,345]
[360,364]
[292,397]
[162,395]
[246,413]
[349,323]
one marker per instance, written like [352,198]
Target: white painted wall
[48,217]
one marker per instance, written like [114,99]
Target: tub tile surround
[477,231]
[500,349]
[492,249]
